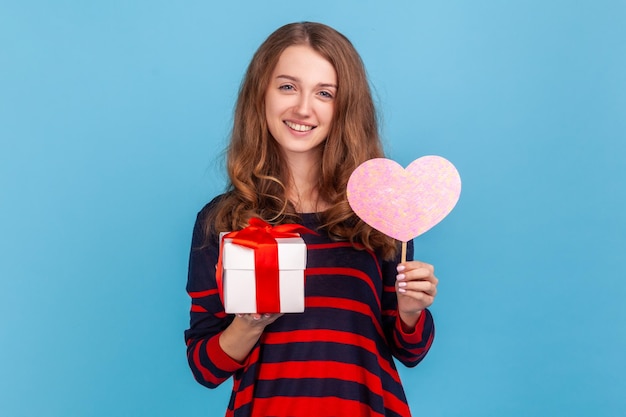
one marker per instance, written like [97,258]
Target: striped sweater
[335,359]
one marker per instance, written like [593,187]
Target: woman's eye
[326,94]
[286,87]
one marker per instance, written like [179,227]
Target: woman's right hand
[238,339]
[256,320]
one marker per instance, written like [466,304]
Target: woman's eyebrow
[288,77]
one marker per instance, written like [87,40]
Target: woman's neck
[303,190]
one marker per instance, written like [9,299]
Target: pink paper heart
[404,203]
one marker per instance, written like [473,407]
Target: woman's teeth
[298,127]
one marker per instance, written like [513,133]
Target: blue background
[113,115]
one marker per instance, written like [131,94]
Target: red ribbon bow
[261,237]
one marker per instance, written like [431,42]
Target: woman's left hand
[416,286]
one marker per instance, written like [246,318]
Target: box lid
[291,254]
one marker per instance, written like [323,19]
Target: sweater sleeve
[209,364]
[408,348]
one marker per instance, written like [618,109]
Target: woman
[304,121]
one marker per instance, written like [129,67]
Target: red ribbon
[261,237]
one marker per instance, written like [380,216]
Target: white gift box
[239,283]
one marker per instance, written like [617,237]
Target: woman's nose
[303,105]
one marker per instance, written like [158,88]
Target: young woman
[304,121]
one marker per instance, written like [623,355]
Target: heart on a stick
[404,203]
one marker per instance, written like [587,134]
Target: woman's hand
[416,286]
[238,339]
[256,320]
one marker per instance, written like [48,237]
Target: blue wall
[112,115]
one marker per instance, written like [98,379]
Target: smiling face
[300,101]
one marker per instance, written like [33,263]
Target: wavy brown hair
[256,168]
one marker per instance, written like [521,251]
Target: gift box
[255,282]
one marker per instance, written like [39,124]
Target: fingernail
[400,268]
[401,290]
[402,284]
[400,276]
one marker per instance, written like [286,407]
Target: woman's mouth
[298,127]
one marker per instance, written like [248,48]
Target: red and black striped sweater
[335,359]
